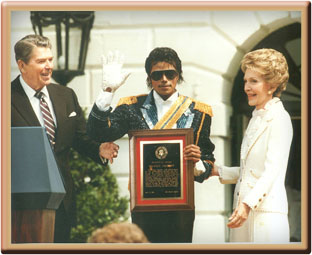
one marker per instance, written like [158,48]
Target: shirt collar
[30,92]
[170,100]
[271,102]
[268,105]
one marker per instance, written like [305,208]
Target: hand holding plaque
[192,152]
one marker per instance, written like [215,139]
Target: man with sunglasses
[152,111]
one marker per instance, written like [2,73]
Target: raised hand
[112,74]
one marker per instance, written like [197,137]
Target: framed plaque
[160,178]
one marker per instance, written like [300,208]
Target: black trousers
[62,226]
[166,227]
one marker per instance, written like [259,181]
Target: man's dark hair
[23,48]
[163,54]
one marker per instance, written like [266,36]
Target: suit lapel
[21,103]
[263,126]
[149,111]
[186,119]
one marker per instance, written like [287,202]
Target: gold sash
[174,113]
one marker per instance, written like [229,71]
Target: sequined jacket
[140,112]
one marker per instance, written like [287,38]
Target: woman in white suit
[260,202]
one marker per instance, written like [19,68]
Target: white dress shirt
[164,105]
[34,101]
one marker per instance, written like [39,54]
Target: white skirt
[262,227]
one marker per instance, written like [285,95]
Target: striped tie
[47,118]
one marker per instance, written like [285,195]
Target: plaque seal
[161,152]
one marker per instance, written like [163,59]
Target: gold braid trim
[200,128]
[202,107]
[170,112]
[178,114]
[127,100]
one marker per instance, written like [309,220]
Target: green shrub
[98,201]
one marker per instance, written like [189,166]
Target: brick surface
[81,86]
[237,26]
[207,49]
[147,18]
[135,44]
[267,17]
[206,86]
[221,120]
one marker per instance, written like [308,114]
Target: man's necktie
[47,118]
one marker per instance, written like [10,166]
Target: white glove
[112,74]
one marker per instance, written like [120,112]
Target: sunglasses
[157,75]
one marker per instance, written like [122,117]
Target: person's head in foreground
[123,232]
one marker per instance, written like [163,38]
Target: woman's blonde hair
[271,64]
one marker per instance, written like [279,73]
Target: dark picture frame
[160,178]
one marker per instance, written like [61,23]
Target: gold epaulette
[127,100]
[202,107]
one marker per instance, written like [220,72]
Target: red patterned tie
[47,118]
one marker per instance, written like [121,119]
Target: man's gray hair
[24,47]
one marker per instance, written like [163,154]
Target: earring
[269,92]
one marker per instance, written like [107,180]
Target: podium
[37,187]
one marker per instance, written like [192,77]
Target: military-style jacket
[140,112]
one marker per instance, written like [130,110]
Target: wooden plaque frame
[175,195]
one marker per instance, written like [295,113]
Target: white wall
[210,45]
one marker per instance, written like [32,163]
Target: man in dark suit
[162,108]
[34,58]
